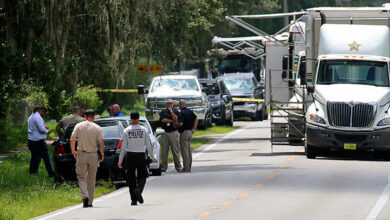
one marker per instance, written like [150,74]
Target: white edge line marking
[381,202]
[119,191]
[217,142]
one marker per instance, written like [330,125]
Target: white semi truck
[347,62]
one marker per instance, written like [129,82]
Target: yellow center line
[204,214]
[226,203]
[271,175]
[299,151]
[290,158]
[282,166]
[258,185]
[244,194]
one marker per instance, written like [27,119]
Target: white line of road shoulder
[381,202]
[217,142]
[119,191]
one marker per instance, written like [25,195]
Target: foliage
[37,97]
[84,97]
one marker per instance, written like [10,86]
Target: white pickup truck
[176,87]
[350,88]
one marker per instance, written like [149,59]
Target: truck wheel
[222,120]
[310,152]
[156,172]
[202,124]
[230,121]
[386,155]
[265,116]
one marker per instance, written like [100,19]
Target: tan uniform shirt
[67,120]
[87,134]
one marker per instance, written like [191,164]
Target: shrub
[84,97]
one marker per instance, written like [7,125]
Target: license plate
[350,146]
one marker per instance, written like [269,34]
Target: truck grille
[344,114]
[159,103]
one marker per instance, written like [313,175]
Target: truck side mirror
[285,63]
[302,73]
[310,89]
[285,66]
[141,90]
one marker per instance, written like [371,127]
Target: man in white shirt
[37,132]
[134,140]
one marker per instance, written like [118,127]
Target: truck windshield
[353,72]
[239,84]
[169,85]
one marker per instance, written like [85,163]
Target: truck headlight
[216,103]
[317,119]
[384,122]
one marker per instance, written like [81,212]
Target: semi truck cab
[350,90]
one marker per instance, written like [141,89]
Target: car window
[110,129]
[172,85]
[68,132]
[211,86]
[111,132]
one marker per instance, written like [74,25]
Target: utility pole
[285,10]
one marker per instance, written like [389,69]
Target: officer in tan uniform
[74,118]
[87,158]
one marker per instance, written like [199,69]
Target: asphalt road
[237,177]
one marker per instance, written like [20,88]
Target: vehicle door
[226,98]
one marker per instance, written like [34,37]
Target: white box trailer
[348,71]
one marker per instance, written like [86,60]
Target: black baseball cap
[89,112]
[134,115]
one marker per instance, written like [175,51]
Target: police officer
[169,120]
[87,157]
[135,138]
[187,125]
[74,118]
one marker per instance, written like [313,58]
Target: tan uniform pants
[170,139]
[86,168]
[185,148]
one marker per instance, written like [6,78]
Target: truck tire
[222,120]
[202,125]
[156,172]
[265,115]
[310,152]
[230,121]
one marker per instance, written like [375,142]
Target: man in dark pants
[187,125]
[37,131]
[169,120]
[135,138]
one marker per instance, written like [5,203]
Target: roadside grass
[215,130]
[52,127]
[24,196]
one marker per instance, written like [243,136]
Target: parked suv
[244,86]
[175,87]
[220,100]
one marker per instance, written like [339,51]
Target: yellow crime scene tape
[247,100]
[109,90]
